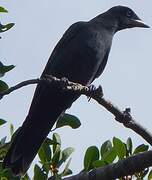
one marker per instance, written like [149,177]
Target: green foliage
[3,86]
[4,69]
[120,148]
[68,120]
[2,121]
[3,10]
[150,175]
[45,152]
[141,148]
[11,129]
[129,146]
[55,162]
[5,27]
[111,152]
[91,155]
[39,174]
[52,157]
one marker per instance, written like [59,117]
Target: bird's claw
[64,82]
[91,88]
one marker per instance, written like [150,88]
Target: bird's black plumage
[80,56]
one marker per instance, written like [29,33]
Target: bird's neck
[105,21]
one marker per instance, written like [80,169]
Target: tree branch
[120,169]
[123,117]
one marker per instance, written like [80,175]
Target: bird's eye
[129,14]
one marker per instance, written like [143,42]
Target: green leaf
[56,158]
[50,141]
[3,150]
[66,153]
[109,156]
[144,173]
[68,120]
[3,86]
[39,174]
[44,152]
[99,163]
[46,167]
[2,9]
[106,146]
[11,129]
[91,155]
[1,64]
[120,148]
[26,177]
[2,141]
[141,148]
[150,175]
[57,140]
[4,69]
[6,174]
[6,27]
[129,145]
[15,133]
[66,170]
[2,121]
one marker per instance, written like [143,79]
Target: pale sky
[126,80]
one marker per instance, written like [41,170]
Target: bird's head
[126,18]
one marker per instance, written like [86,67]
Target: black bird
[80,56]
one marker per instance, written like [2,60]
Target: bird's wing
[103,64]
[55,66]
[67,37]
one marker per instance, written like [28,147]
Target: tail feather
[24,147]
[47,105]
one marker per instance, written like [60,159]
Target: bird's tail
[25,146]
[47,105]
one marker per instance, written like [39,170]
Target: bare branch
[18,86]
[123,117]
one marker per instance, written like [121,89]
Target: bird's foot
[64,82]
[98,92]
[91,88]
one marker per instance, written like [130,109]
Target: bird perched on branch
[80,56]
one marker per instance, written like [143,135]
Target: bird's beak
[138,23]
